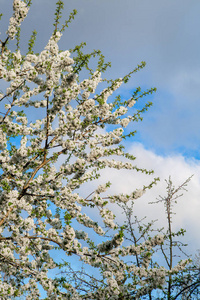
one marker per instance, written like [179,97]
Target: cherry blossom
[56,134]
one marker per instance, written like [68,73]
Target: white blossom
[57,132]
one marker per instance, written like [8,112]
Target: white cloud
[188,206]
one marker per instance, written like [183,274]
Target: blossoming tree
[56,134]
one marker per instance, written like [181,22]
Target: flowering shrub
[52,141]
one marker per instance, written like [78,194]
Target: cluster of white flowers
[81,235]
[3,140]
[131,102]
[102,188]
[89,85]
[110,244]
[124,122]
[20,12]
[112,283]
[86,221]
[107,92]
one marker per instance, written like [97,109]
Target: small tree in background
[57,134]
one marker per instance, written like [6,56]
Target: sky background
[165,34]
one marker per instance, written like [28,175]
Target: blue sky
[165,34]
